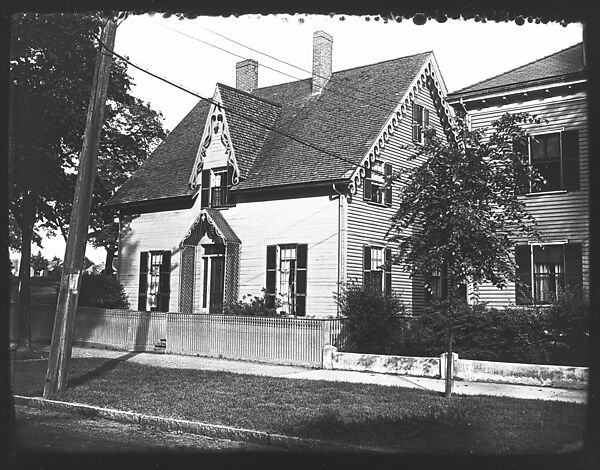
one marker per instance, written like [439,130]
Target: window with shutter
[377,268]
[420,121]
[543,271]
[287,277]
[556,157]
[375,178]
[155,278]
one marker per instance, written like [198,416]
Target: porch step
[161,346]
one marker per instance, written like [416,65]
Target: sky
[466,52]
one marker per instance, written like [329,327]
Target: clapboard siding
[310,220]
[368,223]
[563,215]
[149,232]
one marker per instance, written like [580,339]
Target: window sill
[377,204]
[547,193]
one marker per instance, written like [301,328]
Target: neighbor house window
[375,187]
[286,277]
[556,158]
[437,286]
[420,121]
[216,186]
[545,270]
[377,268]
[155,278]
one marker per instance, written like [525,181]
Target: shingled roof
[344,120]
[560,65]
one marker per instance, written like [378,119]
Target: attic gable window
[420,121]
[375,189]
[215,188]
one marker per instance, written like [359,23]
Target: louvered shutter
[387,169]
[231,197]
[570,159]
[143,286]
[523,285]
[416,122]
[388,271]
[366,265]
[301,279]
[521,150]
[271,269]
[444,282]
[573,268]
[367,192]
[425,118]
[205,191]
[164,282]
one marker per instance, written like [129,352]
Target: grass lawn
[404,420]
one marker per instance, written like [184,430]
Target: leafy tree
[52,61]
[459,208]
[38,262]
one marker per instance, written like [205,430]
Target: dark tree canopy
[52,63]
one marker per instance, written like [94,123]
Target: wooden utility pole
[62,335]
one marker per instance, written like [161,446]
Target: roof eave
[557,81]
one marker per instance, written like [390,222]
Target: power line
[327,86]
[234,112]
[331,79]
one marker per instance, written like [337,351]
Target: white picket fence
[279,340]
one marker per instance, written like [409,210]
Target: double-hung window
[216,187]
[437,286]
[544,270]
[377,268]
[555,156]
[155,278]
[420,121]
[286,277]
[377,187]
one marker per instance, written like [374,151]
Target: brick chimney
[246,75]
[322,49]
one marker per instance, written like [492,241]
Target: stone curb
[192,427]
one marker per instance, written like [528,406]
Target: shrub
[556,334]
[373,320]
[101,290]
[252,306]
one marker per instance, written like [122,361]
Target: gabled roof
[344,119]
[247,135]
[166,172]
[554,67]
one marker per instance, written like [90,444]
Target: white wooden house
[279,188]
[553,88]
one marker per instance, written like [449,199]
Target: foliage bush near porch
[373,320]
[103,291]
[253,306]
[556,334]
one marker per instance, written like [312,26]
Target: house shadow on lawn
[106,367]
[449,432]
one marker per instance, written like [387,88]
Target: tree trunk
[24,330]
[110,256]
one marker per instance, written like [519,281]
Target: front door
[213,278]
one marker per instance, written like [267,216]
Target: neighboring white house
[280,188]
[553,88]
